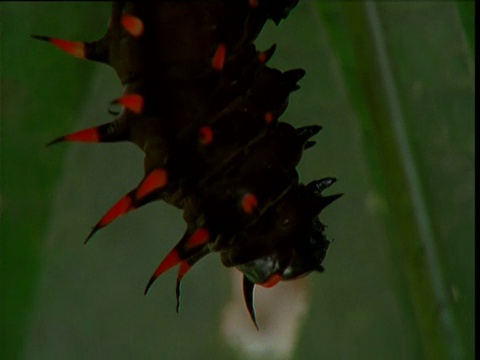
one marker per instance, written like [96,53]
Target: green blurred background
[392,84]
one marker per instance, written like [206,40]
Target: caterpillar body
[200,101]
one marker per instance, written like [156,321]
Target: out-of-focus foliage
[392,84]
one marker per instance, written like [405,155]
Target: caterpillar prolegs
[201,103]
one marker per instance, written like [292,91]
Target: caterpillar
[200,101]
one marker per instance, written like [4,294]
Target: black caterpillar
[201,103]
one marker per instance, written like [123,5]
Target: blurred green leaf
[419,122]
[32,112]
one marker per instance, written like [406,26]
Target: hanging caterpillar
[201,103]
